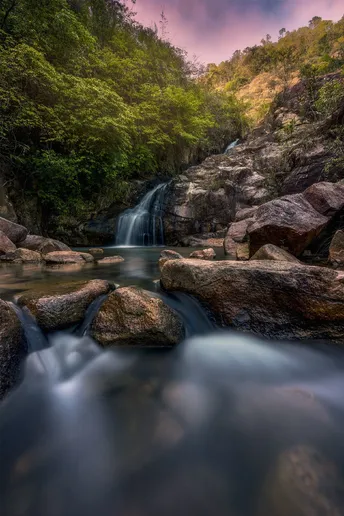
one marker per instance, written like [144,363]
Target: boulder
[326,198]
[238,230]
[277,299]
[290,222]
[64,306]
[22,256]
[134,317]
[110,260]
[243,251]
[96,250]
[62,257]
[13,231]
[204,254]
[271,252]
[42,245]
[230,247]
[6,245]
[13,348]
[302,482]
[337,248]
[166,255]
[246,213]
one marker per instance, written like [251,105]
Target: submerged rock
[43,245]
[272,252]
[337,248]
[62,257]
[133,317]
[22,256]
[204,254]
[65,306]
[6,245]
[110,259]
[13,348]
[13,231]
[286,300]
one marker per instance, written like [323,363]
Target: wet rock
[13,348]
[286,300]
[134,317]
[243,251]
[62,257]
[96,250]
[238,230]
[337,248]
[110,259]
[42,245]
[64,306]
[166,255]
[271,252]
[303,483]
[230,247]
[290,222]
[326,198]
[6,245]
[22,256]
[204,254]
[13,231]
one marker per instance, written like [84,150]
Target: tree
[282,32]
[314,22]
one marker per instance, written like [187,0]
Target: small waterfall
[231,146]
[143,225]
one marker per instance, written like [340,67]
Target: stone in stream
[337,248]
[272,252]
[62,257]
[281,299]
[134,317]
[108,260]
[13,348]
[302,482]
[42,245]
[65,306]
[22,256]
[96,250]
[166,255]
[204,254]
[13,231]
[6,245]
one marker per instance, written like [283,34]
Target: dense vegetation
[90,100]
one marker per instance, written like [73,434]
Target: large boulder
[271,252]
[134,317]
[286,300]
[43,245]
[290,222]
[22,256]
[238,230]
[337,248]
[64,306]
[6,245]
[326,198]
[13,348]
[13,231]
[64,257]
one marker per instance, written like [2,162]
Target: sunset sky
[213,29]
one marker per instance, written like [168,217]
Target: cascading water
[231,146]
[143,225]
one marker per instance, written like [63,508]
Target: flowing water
[224,424]
[231,146]
[143,225]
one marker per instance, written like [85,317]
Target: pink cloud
[213,29]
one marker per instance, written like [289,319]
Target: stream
[224,424]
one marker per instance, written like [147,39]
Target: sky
[213,29]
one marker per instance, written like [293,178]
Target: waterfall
[231,146]
[143,225]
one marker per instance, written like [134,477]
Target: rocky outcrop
[65,257]
[13,231]
[13,348]
[42,245]
[65,306]
[134,317]
[271,252]
[22,256]
[204,254]
[6,245]
[337,249]
[270,298]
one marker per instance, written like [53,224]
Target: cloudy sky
[213,29]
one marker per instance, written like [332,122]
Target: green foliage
[330,97]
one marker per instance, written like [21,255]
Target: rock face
[271,252]
[63,257]
[13,231]
[6,245]
[13,348]
[65,306]
[42,245]
[204,254]
[337,248]
[290,222]
[133,317]
[270,298]
[22,256]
